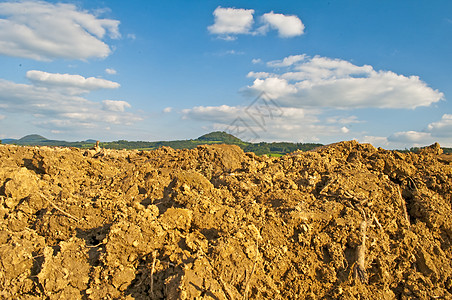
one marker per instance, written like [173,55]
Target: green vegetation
[221,136]
[217,137]
[274,149]
[418,149]
[278,148]
[447,150]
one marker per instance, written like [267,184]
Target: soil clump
[346,221]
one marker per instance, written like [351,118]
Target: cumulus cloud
[110,71]
[258,75]
[167,109]
[343,120]
[256,61]
[287,26]
[277,88]
[442,128]
[411,137]
[231,21]
[71,84]
[53,108]
[115,105]
[44,31]
[326,82]
[344,129]
[440,131]
[287,61]
[264,122]
[223,113]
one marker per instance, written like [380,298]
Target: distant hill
[8,141]
[220,136]
[38,140]
[32,138]
[216,137]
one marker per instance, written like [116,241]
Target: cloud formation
[49,104]
[70,84]
[442,128]
[115,105]
[287,26]
[110,71]
[326,82]
[44,31]
[230,22]
[265,122]
[440,131]
[287,61]
[411,137]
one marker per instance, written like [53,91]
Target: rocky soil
[346,221]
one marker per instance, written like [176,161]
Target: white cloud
[231,21]
[325,82]
[411,137]
[228,52]
[258,75]
[110,71]
[287,61]
[167,109]
[345,129]
[256,61]
[287,26]
[222,114]
[442,128]
[2,117]
[115,105]
[440,131]
[276,88]
[264,122]
[70,84]
[233,52]
[53,108]
[44,31]
[343,120]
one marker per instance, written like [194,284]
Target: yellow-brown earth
[346,221]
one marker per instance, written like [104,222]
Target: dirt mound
[346,221]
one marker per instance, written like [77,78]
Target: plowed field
[347,221]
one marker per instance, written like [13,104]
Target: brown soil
[346,221]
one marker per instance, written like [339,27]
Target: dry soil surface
[346,221]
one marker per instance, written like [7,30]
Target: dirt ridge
[347,221]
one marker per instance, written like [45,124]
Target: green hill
[216,137]
[220,136]
[32,138]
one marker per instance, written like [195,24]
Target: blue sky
[299,71]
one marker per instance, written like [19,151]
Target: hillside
[38,140]
[217,137]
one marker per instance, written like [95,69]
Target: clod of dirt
[346,221]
